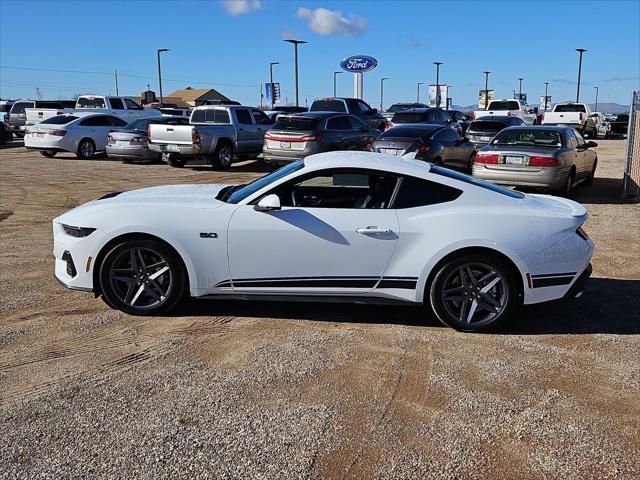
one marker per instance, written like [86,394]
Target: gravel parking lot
[280,390]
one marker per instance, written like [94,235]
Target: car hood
[192,196]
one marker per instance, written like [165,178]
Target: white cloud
[328,22]
[239,7]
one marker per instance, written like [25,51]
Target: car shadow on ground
[246,166]
[604,190]
[15,143]
[608,306]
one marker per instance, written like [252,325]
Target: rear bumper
[189,149]
[578,286]
[552,178]
[284,156]
[141,153]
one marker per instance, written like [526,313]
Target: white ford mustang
[350,226]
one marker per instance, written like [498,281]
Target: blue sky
[228,46]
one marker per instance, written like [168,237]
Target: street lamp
[581,51]
[486,90]
[520,88]
[596,105]
[437,64]
[334,82]
[295,44]
[159,51]
[546,90]
[418,99]
[382,91]
[273,98]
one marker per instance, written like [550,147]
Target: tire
[437,161]
[589,180]
[222,157]
[173,160]
[48,153]
[470,164]
[130,282]
[486,288]
[567,188]
[86,149]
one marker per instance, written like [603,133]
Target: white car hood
[193,196]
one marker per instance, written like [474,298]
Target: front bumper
[81,252]
[546,178]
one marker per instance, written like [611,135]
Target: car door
[340,133]
[334,233]
[262,123]
[584,156]
[443,139]
[361,132]
[576,154]
[245,130]
[459,151]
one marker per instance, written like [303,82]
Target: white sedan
[349,226]
[80,133]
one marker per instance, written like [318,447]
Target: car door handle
[374,231]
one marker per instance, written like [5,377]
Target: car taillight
[423,148]
[543,162]
[195,136]
[581,233]
[138,140]
[57,133]
[387,126]
[542,119]
[369,147]
[486,158]
[311,138]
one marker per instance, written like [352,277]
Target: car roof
[550,128]
[495,118]
[367,160]
[419,110]
[319,114]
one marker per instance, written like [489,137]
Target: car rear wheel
[48,153]
[142,277]
[471,159]
[567,188]
[592,175]
[474,292]
[222,157]
[86,149]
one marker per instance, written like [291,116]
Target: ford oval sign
[359,63]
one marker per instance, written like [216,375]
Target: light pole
[437,64]
[486,90]
[159,51]
[546,90]
[273,98]
[295,45]
[418,98]
[382,91]
[596,105]
[581,51]
[520,88]
[334,82]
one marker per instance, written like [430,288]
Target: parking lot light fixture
[382,91]
[546,91]
[437,64]
[273,100]
[520,88]
[159,51]
[595,107]
[418,98]
[334,81]
[580,51]
[486,89]
[295,45]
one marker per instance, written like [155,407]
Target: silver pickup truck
[215,134]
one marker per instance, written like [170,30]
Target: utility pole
[437,64]
[382,92]
[273,98]
[159,51]
[546,90]
[581,51]
[486,90]
[295,45]
[520,88]
[418,98]
[334,82]
[596,106]
[115,74]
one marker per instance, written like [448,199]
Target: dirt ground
[280,390]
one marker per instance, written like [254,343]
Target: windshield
[86,102]
[504,105]
[529,138]
[571,107]
[328,106]
[445,172]
[301,124]
[237,193]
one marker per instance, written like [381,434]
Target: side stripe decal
[309,282]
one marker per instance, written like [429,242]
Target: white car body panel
[537,234]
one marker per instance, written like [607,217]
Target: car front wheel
[142,277]
[474,292]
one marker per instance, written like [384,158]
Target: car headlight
[78,232]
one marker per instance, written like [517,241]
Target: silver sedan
[550,158]
[132,142]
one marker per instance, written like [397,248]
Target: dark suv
[354,106]
[432,116]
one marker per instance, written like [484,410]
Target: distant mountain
[602,107]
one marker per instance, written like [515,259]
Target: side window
[339,123]
[88,122]
[579,138]
[453,135]
[198,116]
[444,116]
[343,188]
[244,117]
[571,139]
[418,192]
[356,123]
[131,105]
[260,118]
[116,104]
[116,122]
[364,108]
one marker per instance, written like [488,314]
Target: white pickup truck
[214,134]
[121,107]
[573,115]
[510,108]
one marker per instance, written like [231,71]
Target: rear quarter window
[418,192]
[445,172]
[59,120]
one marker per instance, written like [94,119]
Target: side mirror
[268,203]
[375,110]
[591,144]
